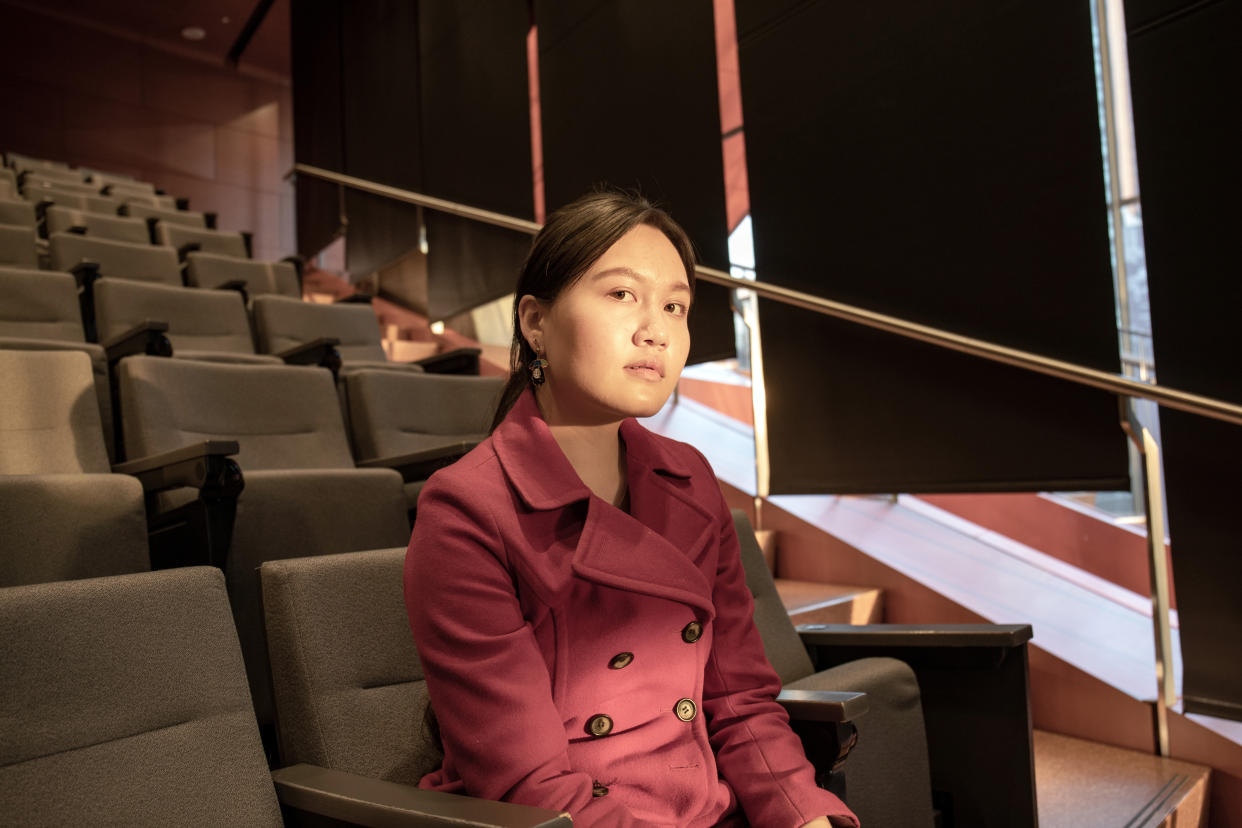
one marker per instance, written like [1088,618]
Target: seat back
[97,225]
[19,213]
[349,687]
[39,304]
[212,321]
[49,414]
[177,236]
[125,703]
[21,162]
[283,417]
[69,182]
[17,246]
[146,211]
[123,187]
[781,643]
[120,260]
[282,323]
[91,203]
[395,412]
[162,202]
[207,270]
[8,183]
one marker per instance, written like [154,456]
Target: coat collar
[663,547]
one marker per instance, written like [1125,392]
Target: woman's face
[616,340]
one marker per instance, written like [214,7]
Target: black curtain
[476,146]
[317,119]
[628,93]
[941,163]
[1184,70]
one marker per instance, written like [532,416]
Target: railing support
[1158,566]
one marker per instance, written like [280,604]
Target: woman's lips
[645,370]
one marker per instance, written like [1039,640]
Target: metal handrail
[1071,372]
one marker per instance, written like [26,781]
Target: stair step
[811,602]
[1085,783]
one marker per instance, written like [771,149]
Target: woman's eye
[622,294]
[675,308]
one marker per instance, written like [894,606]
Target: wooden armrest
[823,705]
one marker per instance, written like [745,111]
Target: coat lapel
[661,548]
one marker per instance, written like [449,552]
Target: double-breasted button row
[599,725]
[599,790]
[620,661]
[686,710]
[692,632]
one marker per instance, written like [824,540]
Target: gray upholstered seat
[18,247]
[36,180]
[202,324]
[162,202]
[39,311]
[126,704]
[302,494]
[282,323]
[97,225]
[347,681]
[119,260]
[123,187]
[8,184]
[21,162]
[18,213]
[395,413]
[208,270]
[146,211]
[177,236]
[103,205]
[62,513]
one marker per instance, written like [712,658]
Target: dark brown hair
[573,239]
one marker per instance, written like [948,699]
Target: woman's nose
[652,329]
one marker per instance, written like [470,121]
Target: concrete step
[1080,783]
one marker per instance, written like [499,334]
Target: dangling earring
[536,367]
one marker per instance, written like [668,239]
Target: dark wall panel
[380,94]
[317,118]
[476,145]
[1185,67]
[629,98]
[939,163]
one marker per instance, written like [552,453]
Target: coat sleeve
[756,751]
[488,683]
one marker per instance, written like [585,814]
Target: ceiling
[161,22]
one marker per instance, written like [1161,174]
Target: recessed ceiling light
[193,33]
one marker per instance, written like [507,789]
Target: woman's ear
[531,318]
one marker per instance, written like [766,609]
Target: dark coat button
[620,661]
[691,632]
[599,725]
[599,790]
[686,710]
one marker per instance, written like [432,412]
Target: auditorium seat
[162,202]
[97,225]
[63,514]
[949,717]
[302,496]
[17,213]
[134,710]
[20,163]
[76,201]
[120,260]
[18,246]
[36,181]
[8,184]
[184,239]
[148,214]
[202,324]
[39,310]
[124,188]
[431,418]
[210,270]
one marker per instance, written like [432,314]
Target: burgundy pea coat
[586,659]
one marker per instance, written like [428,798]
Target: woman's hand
[822,822]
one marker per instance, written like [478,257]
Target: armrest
[77,230]
[238,285]
[823,705]
[248,241]
[377,802]
[183,203]
[85,273]
[199,465]
[419,465]
[456,361]
[320,351]
[144,338]
[188,247]
[915,635]
[209,218]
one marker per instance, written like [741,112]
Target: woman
[574,584]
